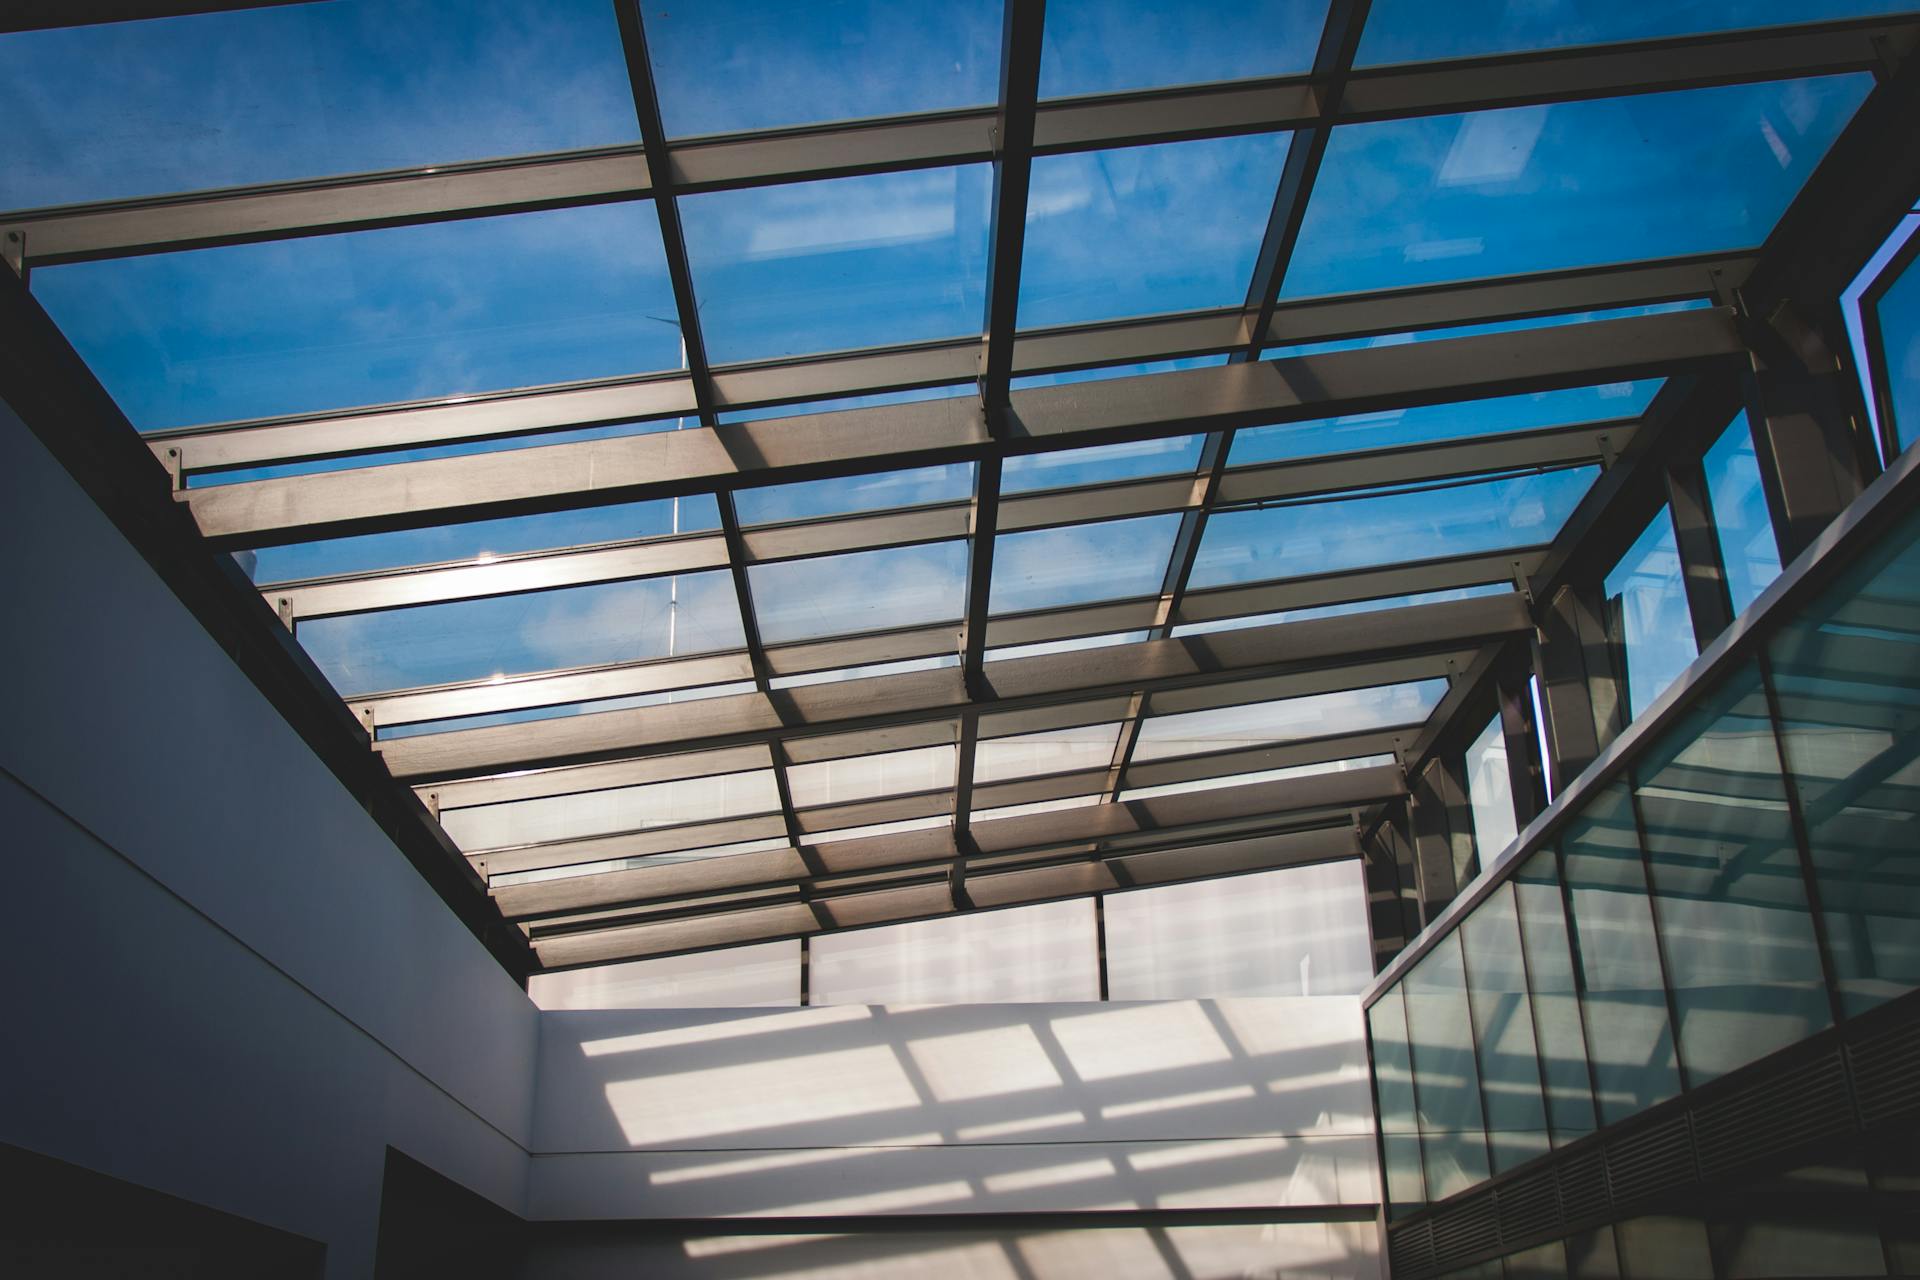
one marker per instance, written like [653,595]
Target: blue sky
[332,322]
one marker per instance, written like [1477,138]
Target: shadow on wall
[1254,1115]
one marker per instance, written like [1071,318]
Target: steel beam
[777,451]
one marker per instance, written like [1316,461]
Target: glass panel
[862,591]
[525,715]
[593,813]
[1542,1262]
[1343,609]
[885,773]
[1408,202]
[1408,31]
[1313,715]
[1619,960]
[1456,421]
[1072,645]
[835,404]
[845,495]
[371,317]
[1106,46]
[1739,940]
[1299,931]
[1445,1078]
[1740,518]
[480,539]
[1079,563]
[765,975]
[1142,230]
[304,91]
[1556,1009]
[1045,952]
[861,673]
[1393,1088]
[1848,675]
[1385,526]
[1648,624]
[1898,315]
[1258,775]
[1664,1249]
[725,66]
[1068,377]
[843,262]
[1818,1220]
[1503,1030]
[1551,321]
[1490,793]
[1027,755]
[606,622]
[1063,468]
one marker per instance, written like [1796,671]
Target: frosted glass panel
[886,773]
[1037,953]
[1027,755]
[1299,931]
[654,804]
[763,975]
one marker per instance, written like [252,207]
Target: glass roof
[816,471]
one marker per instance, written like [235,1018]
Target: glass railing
[1738,871]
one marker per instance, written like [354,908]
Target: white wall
[226,983]
[1195,1104]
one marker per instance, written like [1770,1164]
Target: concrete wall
[226,983]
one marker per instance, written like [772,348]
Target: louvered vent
[1775,1114]
[1583,1187]
[1886,1073]
[1410,1247]
[1529,1205]
[1653,1160]
[1467,1228]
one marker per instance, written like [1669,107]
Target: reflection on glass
[843,495]
[1081,563]
[1377,526]
[1107,46]
[1101,373]
[1408,202]
[1550,321]
[1740,518]
[1045,952]
[1490,793]
[1898,315]
[1445,1079]
[1648,624]
[1314,715]
[1393,1090]
[1408,31]
[1503,1030]
[834,404]
[606,622]
[371,317]
[1739,943]
[1619,960]
[637,808]
[481,539]
[861,591]
[765,975]
[726,66]
[842,262]
[304,91]
[1848,675]
[1143,230]
[1457,420]
[1556,1006]
[1298,931]
[1064,468]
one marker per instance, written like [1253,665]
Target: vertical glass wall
[1743,874]
[1741,522]
[1490,792]
[1647,620]
[1895,316]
